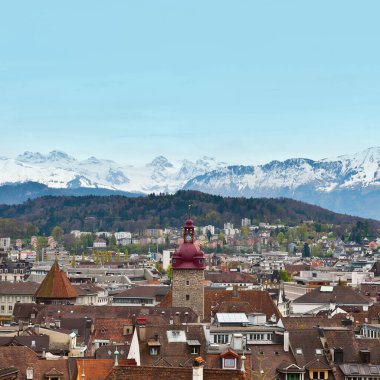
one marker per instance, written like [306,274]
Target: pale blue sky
[244,81]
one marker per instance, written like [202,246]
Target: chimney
[29,373]
[237,342]
[142,333]
[286,341]
[198,368]
[44,353]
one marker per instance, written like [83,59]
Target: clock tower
[188,263]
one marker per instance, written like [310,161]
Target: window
[10,308]
[317,375]
[221,338]
[187,297]
[2,308]
[194,350]
[299,351]
[153,351]
[293,376]
[187,282]
[229,363]
[256,336]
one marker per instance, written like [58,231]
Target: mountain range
[347,184]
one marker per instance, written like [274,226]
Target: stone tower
[188,263]
[56,288]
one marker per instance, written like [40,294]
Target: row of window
[194,350]
[15,298]
[15,278]
[145,301]
[224,338]
[2,308]
[14,271]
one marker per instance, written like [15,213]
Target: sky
[246,82]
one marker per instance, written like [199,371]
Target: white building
[208,228]
[167,258]
[5,243]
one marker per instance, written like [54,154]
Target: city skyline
[246,84]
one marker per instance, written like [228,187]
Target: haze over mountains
[346,184]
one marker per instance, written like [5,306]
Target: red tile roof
[95,369]
[162,373]
[235,301]
[23,357]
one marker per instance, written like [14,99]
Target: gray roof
[342,295]
[18,288]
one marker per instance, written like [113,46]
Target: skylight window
[299,351]
[318,351]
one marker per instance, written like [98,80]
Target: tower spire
[189,211]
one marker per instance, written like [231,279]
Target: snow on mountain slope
[344,172]
[59,170]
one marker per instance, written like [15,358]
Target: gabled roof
[18,288]
[144,291]
[231,277]
[304,344]
[342,295]
[56,285]
[23,357]
[98,368]
[217,300]
[178,373]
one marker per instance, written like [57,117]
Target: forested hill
[118,213]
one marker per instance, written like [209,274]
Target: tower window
[187,282]
[187,297]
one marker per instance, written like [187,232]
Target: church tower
[188,263]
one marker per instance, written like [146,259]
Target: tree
[284,275]
[208,234]
[280,238]
[306,250]
[169,272]
[317,249]
[245,232]
[57,233]
[73,261]
[118,255]
[158,266]
[112,242]
[126,255]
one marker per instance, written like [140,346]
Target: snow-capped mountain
[58,170]
[348,184]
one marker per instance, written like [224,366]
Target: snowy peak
[31,157]
[36,157]
[161,162]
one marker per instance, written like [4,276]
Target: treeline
[15,228]
[119,213]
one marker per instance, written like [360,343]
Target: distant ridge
[346,184]
[119,213]
[20,192]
